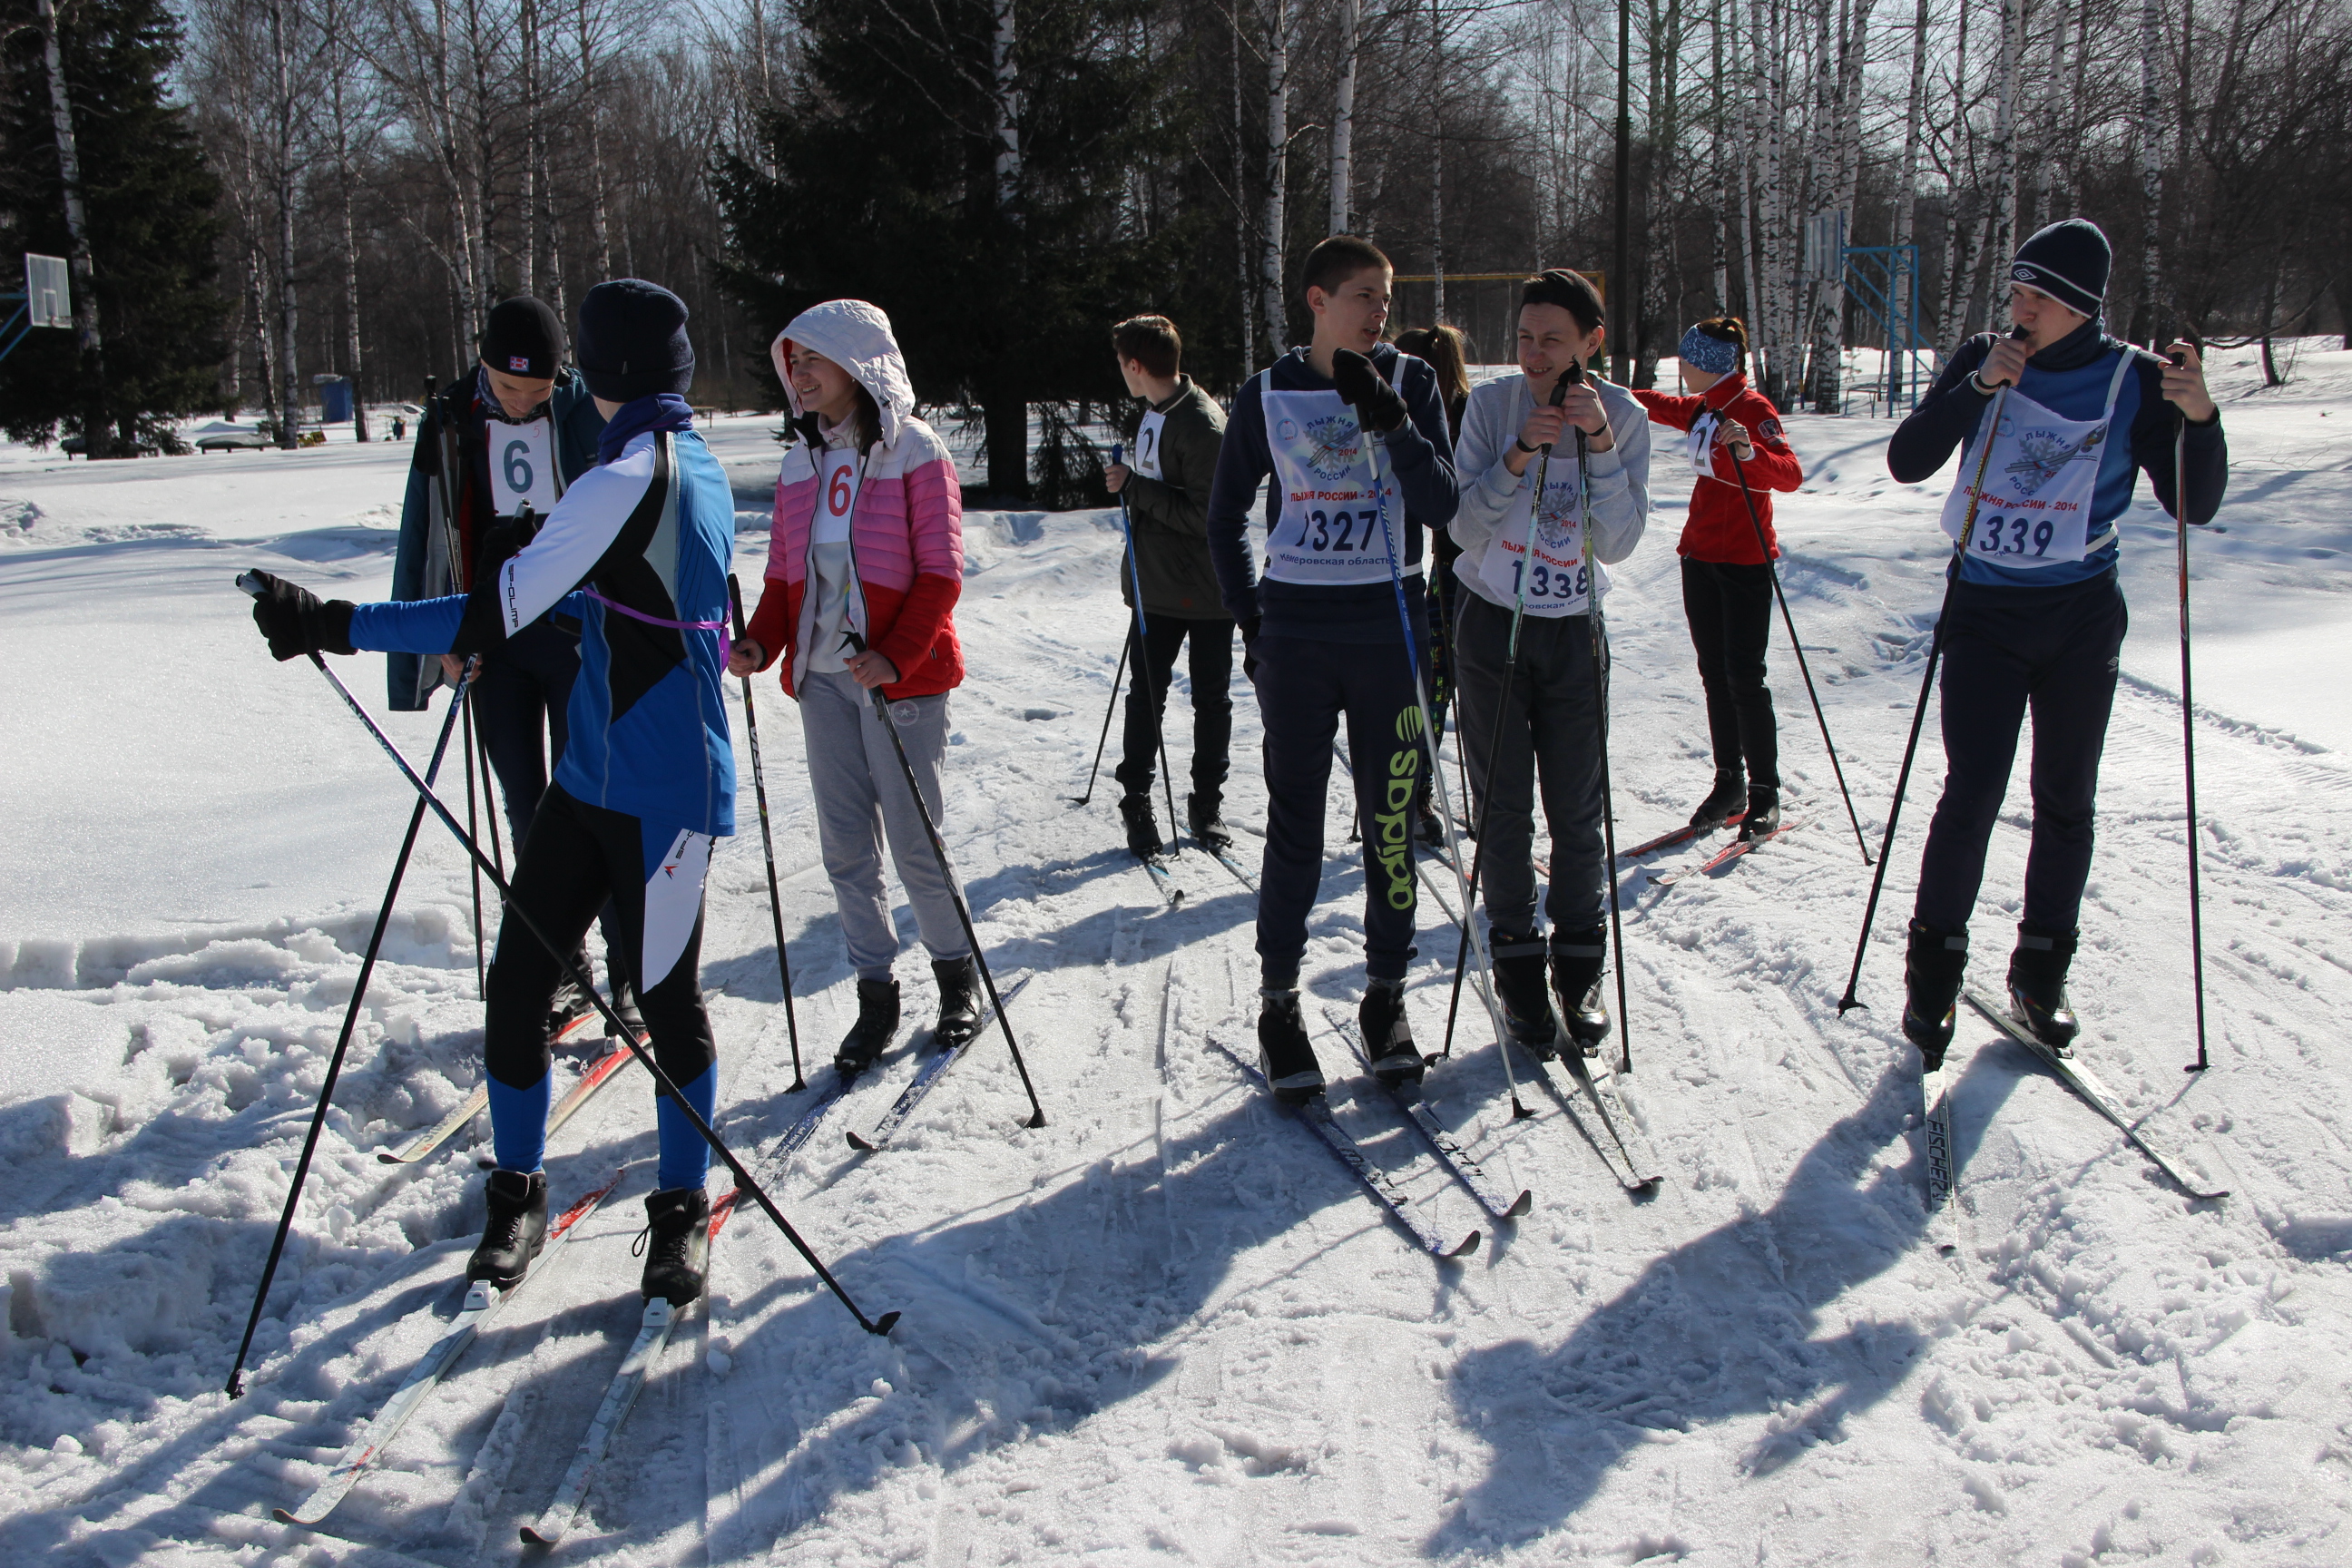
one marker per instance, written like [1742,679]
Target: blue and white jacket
[637,551]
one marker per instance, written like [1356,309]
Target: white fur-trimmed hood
[855,336]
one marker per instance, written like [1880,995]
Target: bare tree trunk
[281,47]
[1902,299]
[1004,61]
[527,23]
[1771,81]
[599,235]
[1720,275]
[2004,159]
[1343,124]
[256,275]
[461,222]
[1277,173]
[1829,315]
[1436,163]
[486,201]
[339,63]
[1241,212]
[95,435]
[2151,170]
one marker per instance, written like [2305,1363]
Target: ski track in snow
[1167,1326]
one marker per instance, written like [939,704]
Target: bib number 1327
[1547,582]
[1338,531]
[2023,536]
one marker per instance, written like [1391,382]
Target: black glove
[1249,630]
[296,622]
[501,541]
[1378,407]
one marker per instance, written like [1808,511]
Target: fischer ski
[594,1077]
[929,1075]
[1450,1153]
[2076,1074]
[482,1303]
[1726,855]
[1317,1114]
[1683,835]
[1936,1129]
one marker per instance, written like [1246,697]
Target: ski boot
[1142,827]
[674,1243]
[1932,969]
[958,981]
[1428,826]
[878,1021]
[1578,959]
[1519,987]
[569,1010]
[1284,1053]
[1724,802]
[2037,985]
[1204,814]
[624,1004]
[1763,817]
[1388,1035]
[515,1231]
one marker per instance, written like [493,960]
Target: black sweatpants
[1212,668]
[521,703]
[1303,687]
[2008,651]
[1730,607]
[1552,731]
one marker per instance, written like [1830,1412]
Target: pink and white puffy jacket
[906,537]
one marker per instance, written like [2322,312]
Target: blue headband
[1717,356]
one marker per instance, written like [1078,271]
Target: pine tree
[968,177]
[152,232]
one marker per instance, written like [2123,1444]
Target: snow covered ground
[1166,1326]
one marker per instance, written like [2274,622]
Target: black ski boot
[1724,803]
[1284,1053]
[1204,814]
[1428,826]
[1578,959]
[1388,1035]
[878,1021]
[569,1010]
[515,1231]
[624,1003]
[675,1244]
[958,981]
[2037,985]
[1142,827]
[1933,967]
[1519,987]
[1763,818]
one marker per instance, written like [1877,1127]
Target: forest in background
[275,190]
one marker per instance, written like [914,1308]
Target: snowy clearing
[1167,1327]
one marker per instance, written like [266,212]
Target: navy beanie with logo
[2068,261]
[633,341]
[523,337]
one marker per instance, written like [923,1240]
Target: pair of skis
[1726,855]
[1629,1158]
[597,1073]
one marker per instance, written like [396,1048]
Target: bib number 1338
[1547,582]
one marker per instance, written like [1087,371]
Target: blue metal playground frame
[1872,274]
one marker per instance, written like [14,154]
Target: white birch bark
[1241,212]
[1343,123]
[1829,317]
[2003,238]
[599,233]
[1281,19]
[282,27]
[96,437]
[2151,169]
[1004,61]
[1901,299]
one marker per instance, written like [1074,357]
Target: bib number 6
[517,464]
[837,495]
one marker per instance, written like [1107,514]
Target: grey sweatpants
[861,792]
[1552,732]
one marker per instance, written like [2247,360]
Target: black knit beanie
[2068,261]
[523,338]
[633,341]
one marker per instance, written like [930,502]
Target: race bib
[836,499]
[523,468]
[2040,472]
[1147,445]
[1700,448]
[1328,527]
[1548,571]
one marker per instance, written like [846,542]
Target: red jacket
[1718,529]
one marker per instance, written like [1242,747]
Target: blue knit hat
[2068,261]
[1704,351]
[632,342]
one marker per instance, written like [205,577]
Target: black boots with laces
[1763,818]
[1519,987]
[1578,960]
[878,1021]
[1142,827]
[1284,1054]
[1933,967]
[1205,815]
[515,1231]
[958,981]
[1728,796]
[2037,985]
[1388,1035]
[676,1243]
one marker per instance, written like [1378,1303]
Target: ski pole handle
[251,582]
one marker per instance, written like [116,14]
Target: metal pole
[2188,735]
[766,843]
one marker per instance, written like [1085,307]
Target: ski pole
[767,844]
[1104,738]
[2189,726]
[1756,522]
[474,824]
[1146,676]
[1927,685]
[343,1040]
[1601,709]
[955,890]
[1484,806]
[569,965]
[1437,777]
